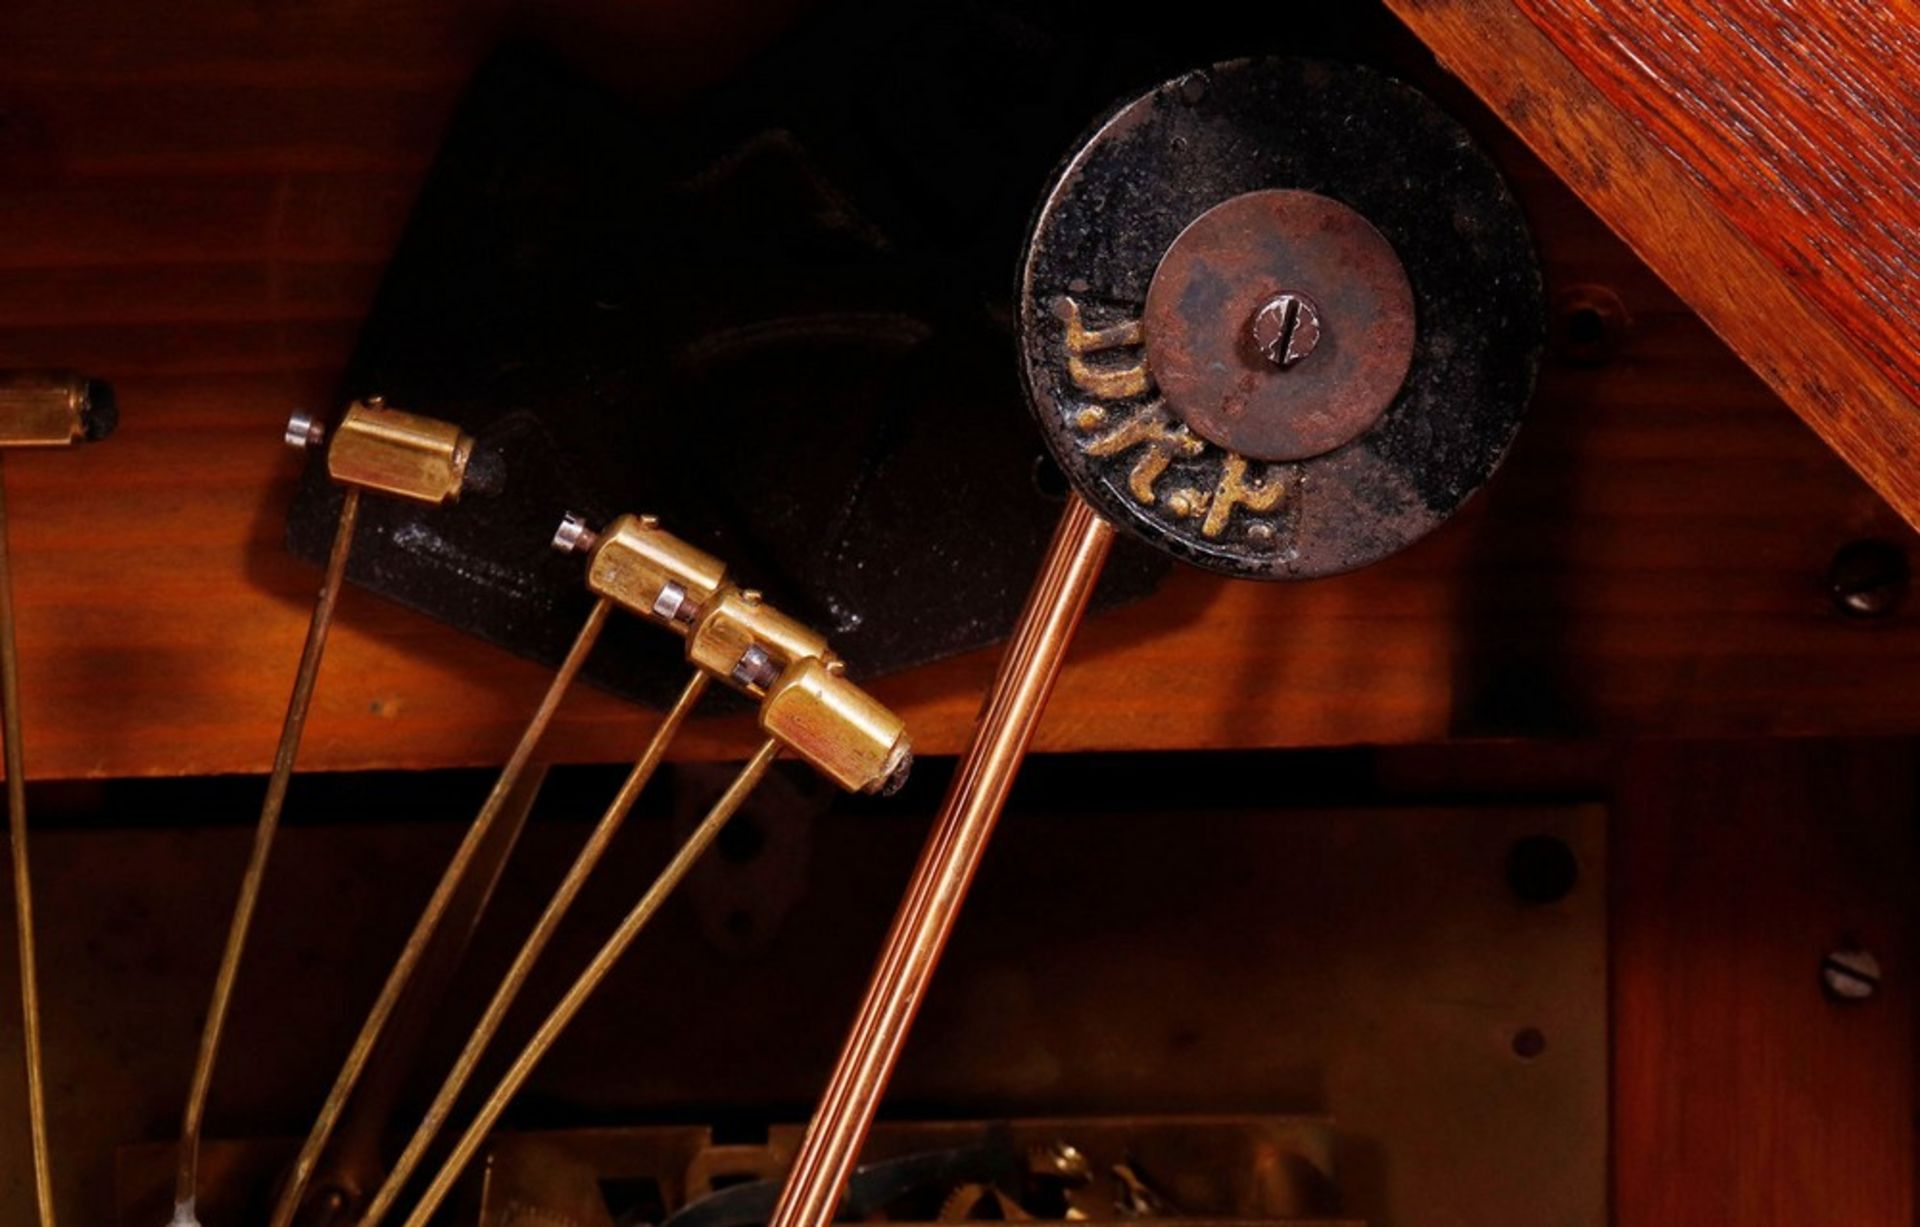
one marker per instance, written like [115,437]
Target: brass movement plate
[1366,967]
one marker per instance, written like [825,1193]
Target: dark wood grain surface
[198,204]
[1800,119]
[1741,1095]
[1861,405]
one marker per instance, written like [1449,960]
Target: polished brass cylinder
[402,454]
[739,620]
[648,571]
[51,408]
[842,731]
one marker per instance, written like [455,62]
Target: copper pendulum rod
[22,881]
[516,976]
[423,930]
[187,1177]
[920,930]
[596,971]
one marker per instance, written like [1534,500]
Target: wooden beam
[1743,1096]
[1860,403]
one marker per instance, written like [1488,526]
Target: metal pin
[187,1176]
[755,668]
[671,603]
[590,979]
[355,1161]
[920,930]
[510,985]
[402,455]
[37,409]
[22,883]
[573,535]
[423,930]
[304,431]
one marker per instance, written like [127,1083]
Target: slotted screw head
[1286,328]
[1850,975]
[1869,578]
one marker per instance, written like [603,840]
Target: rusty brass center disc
[1279,325]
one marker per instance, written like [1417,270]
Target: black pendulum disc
[1279,318]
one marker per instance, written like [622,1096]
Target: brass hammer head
[733,634]
[54,408]
[402,454]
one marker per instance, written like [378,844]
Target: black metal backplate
[779,316]
[1362,139]
[776,320]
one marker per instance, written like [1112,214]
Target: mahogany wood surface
[198,204]
[1800,119]
[1741,1095]
[1758,156]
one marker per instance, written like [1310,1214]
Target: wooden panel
[1742,1096]
[1649,562]
[1863,408]
[1801,119]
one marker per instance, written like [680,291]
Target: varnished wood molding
[1643,192]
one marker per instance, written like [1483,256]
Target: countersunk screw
[304,430]
[1868,578]
[1850,975]
[573,535]
[1287,328]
